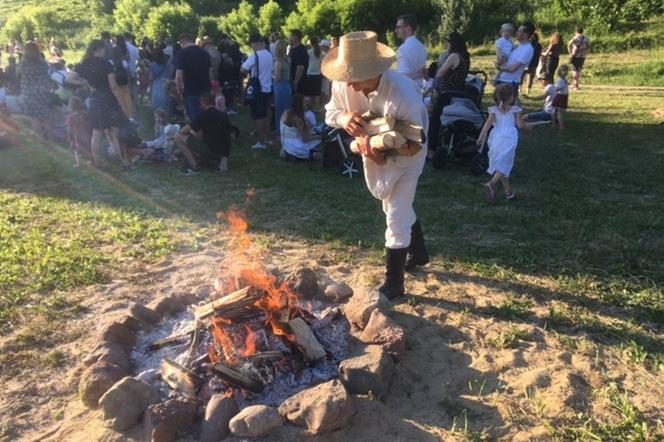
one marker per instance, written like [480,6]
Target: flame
[222,338]
[212,354]
[243,266]
[249,342]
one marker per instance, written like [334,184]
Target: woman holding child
[106,115]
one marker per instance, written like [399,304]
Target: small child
[79,129]
[504,45]
[505,118]
[220,100]
[546,114]
[561,99]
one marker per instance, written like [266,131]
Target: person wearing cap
[192,74]
[411,55]
[260,65]
[363,83]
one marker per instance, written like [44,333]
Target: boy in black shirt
[214,128]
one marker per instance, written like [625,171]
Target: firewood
[238,379]
[305,338]
[171,340]
[232,306]
[179,378]
[193,346]
[263,357]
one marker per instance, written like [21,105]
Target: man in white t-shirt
[411,55]
[518,60]
[260,65]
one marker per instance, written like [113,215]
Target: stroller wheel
[479,163]
[350,168]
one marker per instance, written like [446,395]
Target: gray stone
[321,409]
[143,313]
[304,281]
[338,292]
[186,298]
[371,371]
[119,334]
[256,421]
[167,305]
[360,306]
[162,422]
[384,331]
[133,324]
[218,413]
[124,403]
[96,380]
[112,352]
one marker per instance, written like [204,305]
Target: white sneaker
[259,146]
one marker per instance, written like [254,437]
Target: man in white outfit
[411,55]
[362,82]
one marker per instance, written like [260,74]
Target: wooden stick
[263,357]
[195,340]
[230,306]
[179,378]
[171,340]
[305,338]
[238,379]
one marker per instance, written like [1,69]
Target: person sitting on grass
[546,114]
[161,148]
[561,99]
[214,128]
[297,140]
[79,129]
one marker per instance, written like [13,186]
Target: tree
[270,17]
[455,15]
[314,18]
[170,20]
[240,23]
[131,15]
[209,26]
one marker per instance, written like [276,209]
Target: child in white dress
[504,118]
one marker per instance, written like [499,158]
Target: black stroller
[462,122]
[337,153]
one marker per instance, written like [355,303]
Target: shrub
[131,15]
[270,18]
[170,20]
[210,26]
[44,22]
[240,23]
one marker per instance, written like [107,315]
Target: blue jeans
[193,104]
[539,116]
[282,100]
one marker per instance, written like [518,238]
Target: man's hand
[369,152]
[353,123]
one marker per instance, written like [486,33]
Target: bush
[632,40]
[170,20]
[270,18]
[45,22]
[240,23]
[131,15]
[210,26]
[314,18]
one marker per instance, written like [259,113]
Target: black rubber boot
[417,251]
[394,273]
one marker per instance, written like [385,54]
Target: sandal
[489,193]
[510,196]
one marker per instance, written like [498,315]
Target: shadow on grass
[587,204]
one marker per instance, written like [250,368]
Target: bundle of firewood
[392,137]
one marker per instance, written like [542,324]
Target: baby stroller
[337,153]
[462,122]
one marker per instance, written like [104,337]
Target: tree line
[477,20]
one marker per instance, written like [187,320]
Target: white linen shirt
[521,54]
[412,58]
[265,67]
[397,96]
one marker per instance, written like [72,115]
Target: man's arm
[299,72]
[510,67]
[179,79]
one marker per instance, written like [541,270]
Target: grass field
[586,229]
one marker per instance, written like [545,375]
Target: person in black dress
[451,77]
[106,115]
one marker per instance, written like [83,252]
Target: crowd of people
[193,84]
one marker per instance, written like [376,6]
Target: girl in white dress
[504,118]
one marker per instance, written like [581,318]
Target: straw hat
[359,57]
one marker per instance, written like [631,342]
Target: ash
[281,380]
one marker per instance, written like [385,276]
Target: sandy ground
[454,377]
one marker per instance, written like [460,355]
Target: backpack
[253,90]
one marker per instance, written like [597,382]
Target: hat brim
[374,65]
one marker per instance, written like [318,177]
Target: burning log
[238,379]
[305,338]
[263,357]
[236,305]
[171,340]
[179,378]
[193,345]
